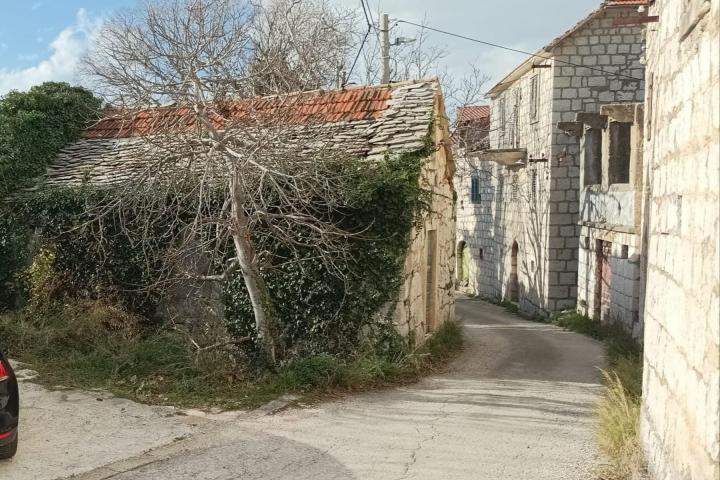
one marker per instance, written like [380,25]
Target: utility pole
[385,47]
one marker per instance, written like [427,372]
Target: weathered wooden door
[514,282]
[603,278]
[431,280]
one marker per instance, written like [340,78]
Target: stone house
[681,387]
[524,235]
[471,134]
[611,187]
[365,123]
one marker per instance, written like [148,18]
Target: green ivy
[35,125]
[319,311]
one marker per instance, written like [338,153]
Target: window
[514,186]
[624,250]
[619,155]
[534,97]
[475,189]
[592,156]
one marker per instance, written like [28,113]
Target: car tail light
[4,373]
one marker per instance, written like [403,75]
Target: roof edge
[545,53]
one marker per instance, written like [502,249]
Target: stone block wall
[518,197]
[622,302]
[537,206]
[474,225]
[681,387]
[606,68]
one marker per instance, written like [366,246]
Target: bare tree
[243,165]
[300,45]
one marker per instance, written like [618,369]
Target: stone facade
[681,408]
[523,232]
[427,295]
[611,186]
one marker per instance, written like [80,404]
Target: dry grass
[619,431]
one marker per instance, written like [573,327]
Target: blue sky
[41,40]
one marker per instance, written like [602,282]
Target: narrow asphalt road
[516,404]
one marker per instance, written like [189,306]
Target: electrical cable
[357,57]
[534,55]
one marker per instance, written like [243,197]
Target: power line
[535,55]
[367,19]
[369,10]
[357,57]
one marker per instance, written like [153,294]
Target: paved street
[515,405]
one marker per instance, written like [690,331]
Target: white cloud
[66,50]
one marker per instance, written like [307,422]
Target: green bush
[320,310]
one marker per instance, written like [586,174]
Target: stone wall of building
[681,406]
[427,295]
[609,268]
[611,72]
[618,298]
[537,205]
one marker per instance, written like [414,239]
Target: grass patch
[618,413]
[510,307]
[90,344]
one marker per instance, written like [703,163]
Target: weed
[91,344]
[369,370]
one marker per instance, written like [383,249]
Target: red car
[9,409]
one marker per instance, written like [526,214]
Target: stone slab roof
[360,121]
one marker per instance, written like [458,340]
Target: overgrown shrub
[34,126]
[318,310]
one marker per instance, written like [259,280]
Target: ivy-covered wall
[34,126]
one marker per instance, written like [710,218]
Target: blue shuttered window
[475,189]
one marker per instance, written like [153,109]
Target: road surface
[516,404]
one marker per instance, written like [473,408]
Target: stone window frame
[475,196]
[619,152]
[692,13]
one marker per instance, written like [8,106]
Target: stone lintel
[592,120]
[620,112]
[608,227]
[505,156]
[574,129]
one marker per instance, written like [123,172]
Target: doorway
[602,280]
[463,264]
[514,283]
[430,281]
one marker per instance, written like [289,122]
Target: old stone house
[610,213]
[471,134]
[681,309]
[523,235]
[366,123]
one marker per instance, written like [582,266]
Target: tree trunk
[255,284]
